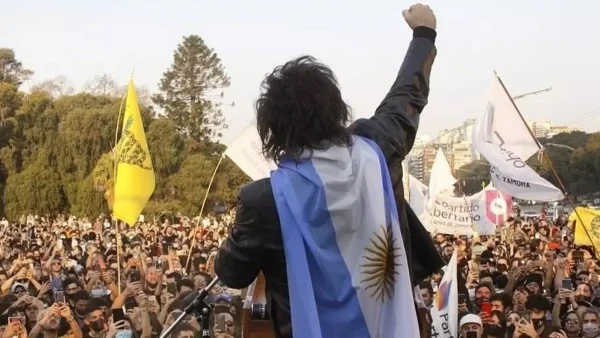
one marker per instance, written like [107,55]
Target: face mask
[582,298]
[590,329]
[502,268]
[123,334]
[493,330]
[510,330]
[538,323]
[97,325]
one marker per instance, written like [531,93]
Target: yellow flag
[591,222]
[135,175]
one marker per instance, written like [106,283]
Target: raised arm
[395,122]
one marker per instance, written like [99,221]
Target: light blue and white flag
[346,264]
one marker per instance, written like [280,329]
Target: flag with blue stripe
[346,264]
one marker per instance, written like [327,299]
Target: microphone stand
[200,308]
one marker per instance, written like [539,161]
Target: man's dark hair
[504,298]
[426,285]
[537,302]
[81,295]
[185,282]
[301,108]
[70,281]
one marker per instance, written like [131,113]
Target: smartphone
[220,323]
[152,298]
[134,276]
[12,320]
[486,307]
[172,289]
[158,264]
[434,286]
[577,256]
[118,315]
[59,297]
[471,334]
[462,298]
[537,236]
[567,284]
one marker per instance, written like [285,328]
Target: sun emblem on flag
[379,267]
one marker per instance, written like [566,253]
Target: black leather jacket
[255,241]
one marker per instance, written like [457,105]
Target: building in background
[457,146]
[555,130]
[541,128]
[544,129]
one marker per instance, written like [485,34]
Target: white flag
[444,311]
[504,140]
[246,153]
[465,215]
[418,195]
[441,178]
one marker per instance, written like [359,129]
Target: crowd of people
[59,276]
[530,280]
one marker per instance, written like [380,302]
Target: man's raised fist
[419,15]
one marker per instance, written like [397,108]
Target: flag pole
[118,242]
[545,158]
[202,210]
[115,164]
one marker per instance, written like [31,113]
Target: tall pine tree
[192,90]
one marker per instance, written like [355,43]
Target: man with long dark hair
[338,245]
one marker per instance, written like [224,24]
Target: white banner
[441,178]
[246,153]
[444,311]
[504,140]
[513,176]
[479,213]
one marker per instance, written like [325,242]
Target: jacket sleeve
[395,122]
[238,261]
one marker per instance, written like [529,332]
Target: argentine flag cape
[346,264]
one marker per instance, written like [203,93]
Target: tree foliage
[192,89]
[56,146]
[11,70]
[574,156]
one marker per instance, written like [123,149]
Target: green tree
[11,70]
[192,88]
[56,87]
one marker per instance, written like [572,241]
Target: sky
[532,45]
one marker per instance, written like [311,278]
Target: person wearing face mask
[537,307]
[590,324]
[95,322]
[120,329]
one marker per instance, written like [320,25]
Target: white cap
[470,319]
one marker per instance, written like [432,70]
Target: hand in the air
[419,15]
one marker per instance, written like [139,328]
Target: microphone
[196,304]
